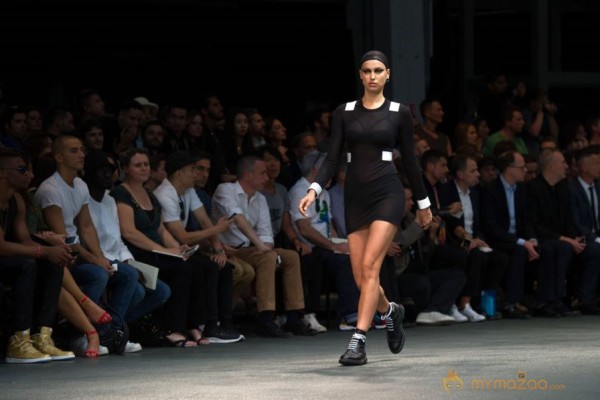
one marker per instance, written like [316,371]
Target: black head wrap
[375,55]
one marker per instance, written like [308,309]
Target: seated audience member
[485,266]
[243,273]
[144,233]
[103,210]
[64,201]
[434,292]
[178,200]
[584,196]
[91,135]
[60,122]
[252,234]
[35,272]
[153,137]
[531,167]
[284,234]
[301,145]
[548,196]
[129,120]
[157,171]
[487,170]
[513,126]
[34,119]
[175,123]
[327,257]
[276,137]
[467,140]
[433,115]
[14,127]
[506,222]
[435,174]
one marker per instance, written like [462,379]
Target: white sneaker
[434,318]
[313,323]
[471,314]
[131,347]
[79,346]
[457,315]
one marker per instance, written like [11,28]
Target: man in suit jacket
[485,267]
[585,194]
[553,223]
[508,228]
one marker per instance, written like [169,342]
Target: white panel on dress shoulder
[350,105]
[394,106]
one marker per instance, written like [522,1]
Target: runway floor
[504,359]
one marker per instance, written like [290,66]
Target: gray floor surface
[535,359]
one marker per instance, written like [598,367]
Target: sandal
[105,318]
[91,353]
[201,341]
[185,342]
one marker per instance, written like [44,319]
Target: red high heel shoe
[91,353]
[105,318]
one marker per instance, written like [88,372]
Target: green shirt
[498,137]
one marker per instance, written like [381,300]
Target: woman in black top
[370,128]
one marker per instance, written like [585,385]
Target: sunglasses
[181,209]
[22,169]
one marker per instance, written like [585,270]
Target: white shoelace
[354,341]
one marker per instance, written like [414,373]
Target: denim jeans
[146,300]
[94,280]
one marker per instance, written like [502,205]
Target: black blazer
[581,209]
[495,218]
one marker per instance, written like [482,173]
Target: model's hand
[424,217]
[306,202]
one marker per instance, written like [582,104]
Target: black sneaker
[395,331]
[355,354]
[270,330]
[221,335]
[546,311]
[565,311]
[512,312]
[299,328]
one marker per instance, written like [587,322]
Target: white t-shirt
[321,220]
[54,191]
[170,202]
[106,220]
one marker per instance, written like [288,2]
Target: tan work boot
[21,351]
[44,343]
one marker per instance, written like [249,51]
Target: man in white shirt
[327,256]
[64,199]
[485,267]
[178,201]
[252,235]
[103,211]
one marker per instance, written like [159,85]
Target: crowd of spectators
[208,197]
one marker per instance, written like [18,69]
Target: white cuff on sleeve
[316,187]
[423,203]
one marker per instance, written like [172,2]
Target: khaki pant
[265,265]
[242,274]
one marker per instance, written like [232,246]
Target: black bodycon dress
[373,189]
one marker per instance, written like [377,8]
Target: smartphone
[278,260]
[191,251]
[466,244]
[232,215]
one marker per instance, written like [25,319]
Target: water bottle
[488,302]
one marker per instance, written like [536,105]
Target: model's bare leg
[367,250]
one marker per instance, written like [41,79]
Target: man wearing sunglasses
[35,272]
